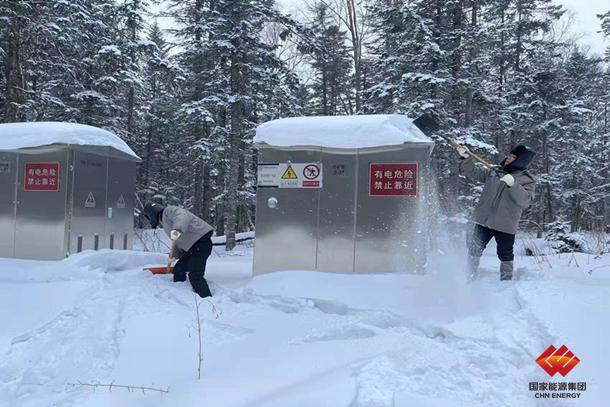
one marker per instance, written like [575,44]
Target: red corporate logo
[554,360]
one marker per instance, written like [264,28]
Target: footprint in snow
[341,334]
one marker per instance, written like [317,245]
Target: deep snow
[14,136]
[341,131]
[299,338]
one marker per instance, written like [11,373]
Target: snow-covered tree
[330,59]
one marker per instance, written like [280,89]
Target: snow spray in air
[441,254]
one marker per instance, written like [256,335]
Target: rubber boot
[200,285]
[506,270]
[473,265]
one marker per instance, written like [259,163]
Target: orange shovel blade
[160,270]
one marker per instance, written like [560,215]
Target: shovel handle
[473,155]
[482,161]
[170,258]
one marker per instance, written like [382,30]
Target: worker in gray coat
[193,243]
[508,190]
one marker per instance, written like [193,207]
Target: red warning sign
[311,171]
[41,177]
[393,179]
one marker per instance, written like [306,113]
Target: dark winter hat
[153,213]
[518,150]
[524,154]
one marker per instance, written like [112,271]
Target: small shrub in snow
[129,388]
[564,241]
[199,329]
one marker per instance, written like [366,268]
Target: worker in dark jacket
[507,192]
[193,243]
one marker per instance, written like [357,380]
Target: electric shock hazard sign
[289,173]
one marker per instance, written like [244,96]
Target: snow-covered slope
[297,338]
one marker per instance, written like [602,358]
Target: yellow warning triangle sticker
[289,173]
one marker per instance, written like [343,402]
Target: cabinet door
[8,180]
[88,223]
[120,204]
[286,234]
[336,214]
[40,231]
[390,229]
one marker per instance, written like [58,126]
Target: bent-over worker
[193,242]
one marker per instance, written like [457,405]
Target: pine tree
[157,145]
[605,26]
[492,71]
[26,53]
[330,59]
[234,80]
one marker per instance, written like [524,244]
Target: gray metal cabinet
[363,214]
[87,203]
[342,227]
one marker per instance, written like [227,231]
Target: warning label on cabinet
[90,201]
[290,175]
[393,179]
[41,177]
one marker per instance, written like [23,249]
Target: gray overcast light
[586,22]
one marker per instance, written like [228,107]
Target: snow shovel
[165,269]
[429,125]
[455,146]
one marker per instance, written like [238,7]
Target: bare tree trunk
[201,129]
[605,158]
[324,94]
[198,186]
[519,49]
[145,178]
[147,159]
[576,214]
[131,96]
[352,25]
[468,120]
[220,220]
[207,195]
[502,62]
[233,174]
[540,217]
[14,76]
[130,112]
[457,94]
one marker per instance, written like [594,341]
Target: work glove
[508,180]
[463,151]
[175,235]
[176,254]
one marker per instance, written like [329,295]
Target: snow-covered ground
[299,338]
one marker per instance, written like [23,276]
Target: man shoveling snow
[191,242]
[509,189]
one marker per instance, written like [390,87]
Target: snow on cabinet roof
[361,131]
[14,136]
